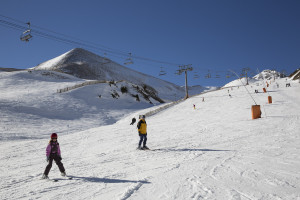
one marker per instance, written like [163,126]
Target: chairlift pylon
[128,61]
[26,36]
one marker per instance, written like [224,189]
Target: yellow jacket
[142,126]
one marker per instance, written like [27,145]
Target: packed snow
[215,151]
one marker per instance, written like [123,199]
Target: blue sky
[211,35]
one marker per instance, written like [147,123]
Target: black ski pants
[57,160]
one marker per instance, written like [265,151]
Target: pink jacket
[53,148]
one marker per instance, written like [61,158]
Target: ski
[150,149]
[142,149]
[50,179]
[57,179]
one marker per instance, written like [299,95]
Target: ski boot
[63,174]
[45,176]
[145,148]
[139,147]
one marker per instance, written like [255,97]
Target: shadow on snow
[190,150]
[107,180]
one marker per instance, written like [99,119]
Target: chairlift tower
[185,69]
[245,72]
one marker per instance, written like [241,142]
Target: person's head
[142,116]
[54,137]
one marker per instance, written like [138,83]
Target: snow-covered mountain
[264,75]
[64,103]
[87,65]
[268,75]
[76,91]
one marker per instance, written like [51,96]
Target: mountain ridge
[87,65]
[95,66]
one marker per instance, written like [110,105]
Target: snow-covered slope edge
[295,75]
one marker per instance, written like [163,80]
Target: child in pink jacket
[53,153]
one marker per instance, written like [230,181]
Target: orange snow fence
[269,99]
[256,113]
[264,89]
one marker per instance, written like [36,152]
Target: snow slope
[29,101]
[213,152]
[239,82]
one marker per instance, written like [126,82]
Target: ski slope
[213,152]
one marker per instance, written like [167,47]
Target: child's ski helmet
[53,135]
[142,117]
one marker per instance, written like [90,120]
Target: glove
[47,158]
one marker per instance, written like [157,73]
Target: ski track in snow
[213,152]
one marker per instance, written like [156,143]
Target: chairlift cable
[70,40]
[82,43]
[244,85]
[48,30]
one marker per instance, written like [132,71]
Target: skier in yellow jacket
[142,128]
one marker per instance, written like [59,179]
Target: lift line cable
[77,42]
[91,47]
[69,36]
[83,43]
[244,85]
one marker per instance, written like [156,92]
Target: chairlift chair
[105,59]
[162,72]
[208,76]
[196,76]
[177,72]
[26,36]
[128,61]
